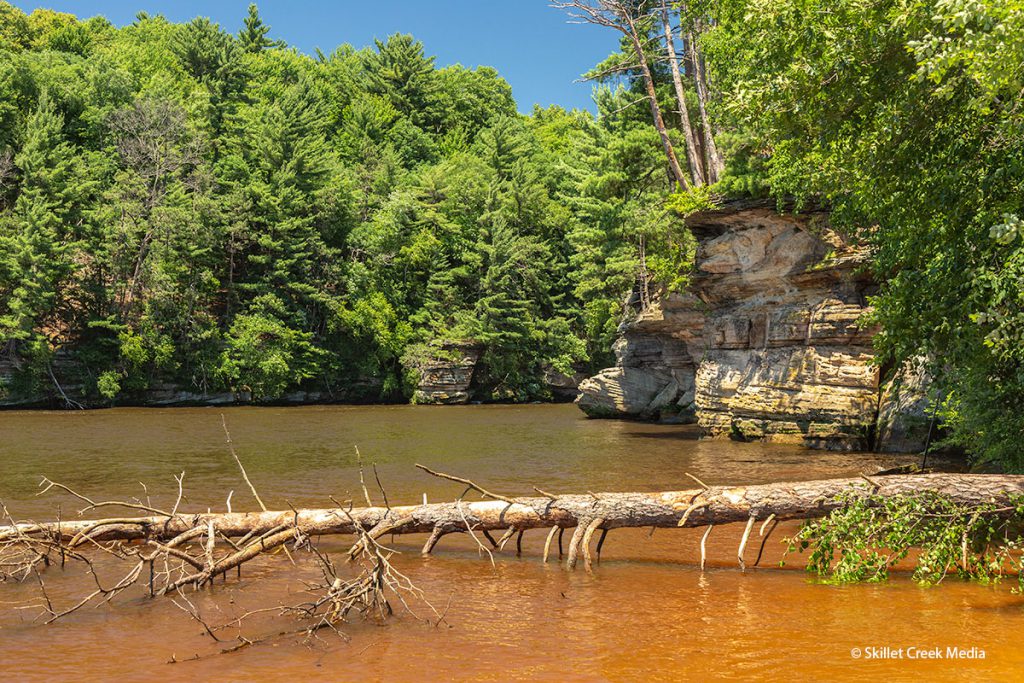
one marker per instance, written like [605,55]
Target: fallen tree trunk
[169,551]
[689,508]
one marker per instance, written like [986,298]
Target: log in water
[692,507]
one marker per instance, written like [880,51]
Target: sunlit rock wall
[446,377]
[766,343]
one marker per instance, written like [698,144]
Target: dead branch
[704,546]
[743,542]
[238,462]
[764,540]
[467,482]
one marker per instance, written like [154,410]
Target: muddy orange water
[646,613]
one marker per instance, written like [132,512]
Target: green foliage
[36,237]
[253,36]
[108,384]
[691,201]
[179,204]
[904,116]
[869,535]
[264,355]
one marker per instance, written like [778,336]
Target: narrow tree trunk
[715,165]
[693,155]
[645,295]
[652,96]
[690,508]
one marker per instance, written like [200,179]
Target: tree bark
[693,155]
[689,508]
[652,97]
[621,15]
[715,165]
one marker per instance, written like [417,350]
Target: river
[646,613]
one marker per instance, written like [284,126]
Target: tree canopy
[183,205]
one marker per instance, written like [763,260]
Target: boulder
[905,411]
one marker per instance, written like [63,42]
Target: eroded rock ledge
[766,343]
[445,376]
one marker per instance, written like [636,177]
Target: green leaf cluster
[869,535]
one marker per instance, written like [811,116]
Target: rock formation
[766,343]
[446,374]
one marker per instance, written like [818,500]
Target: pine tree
[400,70]
[253,38]
[212,57]
[504,318]
[35,238]
[282,162]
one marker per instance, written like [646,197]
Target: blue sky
[527,41]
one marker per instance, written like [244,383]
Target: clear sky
[528,42]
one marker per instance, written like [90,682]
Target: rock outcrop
[906,413]
[766,343]
[563,388]
[445,377]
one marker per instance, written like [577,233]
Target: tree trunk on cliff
[715,165]
[652,96]
[622,17]
[693,155]
[688,508]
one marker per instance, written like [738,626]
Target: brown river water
[647,613]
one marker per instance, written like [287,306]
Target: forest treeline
[219,210]
[182,204]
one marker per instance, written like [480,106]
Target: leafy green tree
[264,355]
[509,316]
[15,31]
[400,71]
[212,57]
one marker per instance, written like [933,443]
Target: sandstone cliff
[764,344]
[445,375]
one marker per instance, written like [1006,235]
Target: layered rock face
[447,376]
[764,344]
